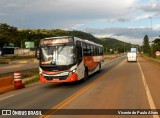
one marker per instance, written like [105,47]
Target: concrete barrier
[29,61]
[5,61]
[6,84]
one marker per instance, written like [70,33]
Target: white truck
[131,56]
[133,49]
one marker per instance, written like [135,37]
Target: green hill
[18,37]
[59,32]
[36,35]
[115,45]
[108,43]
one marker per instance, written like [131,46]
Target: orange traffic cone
[18,80]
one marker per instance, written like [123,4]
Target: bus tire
[100,68]
[85,75]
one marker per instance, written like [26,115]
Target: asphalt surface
[121,85]
[10,68]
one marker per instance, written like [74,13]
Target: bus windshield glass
[58,55]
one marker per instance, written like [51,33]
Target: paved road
[8,68]
[121,85]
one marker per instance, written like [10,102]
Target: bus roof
[59,37]
[88,42]
[79,39]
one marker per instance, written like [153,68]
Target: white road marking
[149,96]
[6,97]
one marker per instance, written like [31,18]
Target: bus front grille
[55,77]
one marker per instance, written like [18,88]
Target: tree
[156,45]
[157,41]
[7,34]
[146,46]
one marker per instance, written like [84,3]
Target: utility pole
[151,22]
[151,36]
[124,47]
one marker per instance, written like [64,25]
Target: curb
[24,61]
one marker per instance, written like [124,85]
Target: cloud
[12,5]
[152,7]
[157,27]
[132,35]
[3,14]
[86,15]
[77,26]
[145,16]
[63,13]
[123,19]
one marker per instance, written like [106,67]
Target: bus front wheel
[85,75]
[100,69]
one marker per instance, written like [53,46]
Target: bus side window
[84,49]
[99,51]
[88,50]
[92,51]
[96,50]
[79,51]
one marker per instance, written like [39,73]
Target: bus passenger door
[80,66]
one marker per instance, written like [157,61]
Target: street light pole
[151,41]
[151,22]
[124,47]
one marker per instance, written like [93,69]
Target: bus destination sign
[54,41]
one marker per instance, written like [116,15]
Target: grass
[154,61]
[3,62]
[33,79]
[154,56]
[158,57]
[20,57]
[30,73]
[147,54]
[17,57]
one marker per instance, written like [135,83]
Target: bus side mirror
[37,53]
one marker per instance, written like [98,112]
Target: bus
[68,59]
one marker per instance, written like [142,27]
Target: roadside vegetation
[14,57]
[10,34]
[32,79]
[149,48]
[13,35]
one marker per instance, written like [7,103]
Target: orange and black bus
[68,59]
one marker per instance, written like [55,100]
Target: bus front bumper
[71,78]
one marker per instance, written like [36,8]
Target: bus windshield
[58,55]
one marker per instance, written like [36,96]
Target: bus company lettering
[25,112]
[49,42]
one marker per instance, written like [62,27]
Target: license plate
[55,79]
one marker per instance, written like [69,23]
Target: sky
[126,20]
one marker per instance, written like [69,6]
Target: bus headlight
[71,72]
[74,70]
